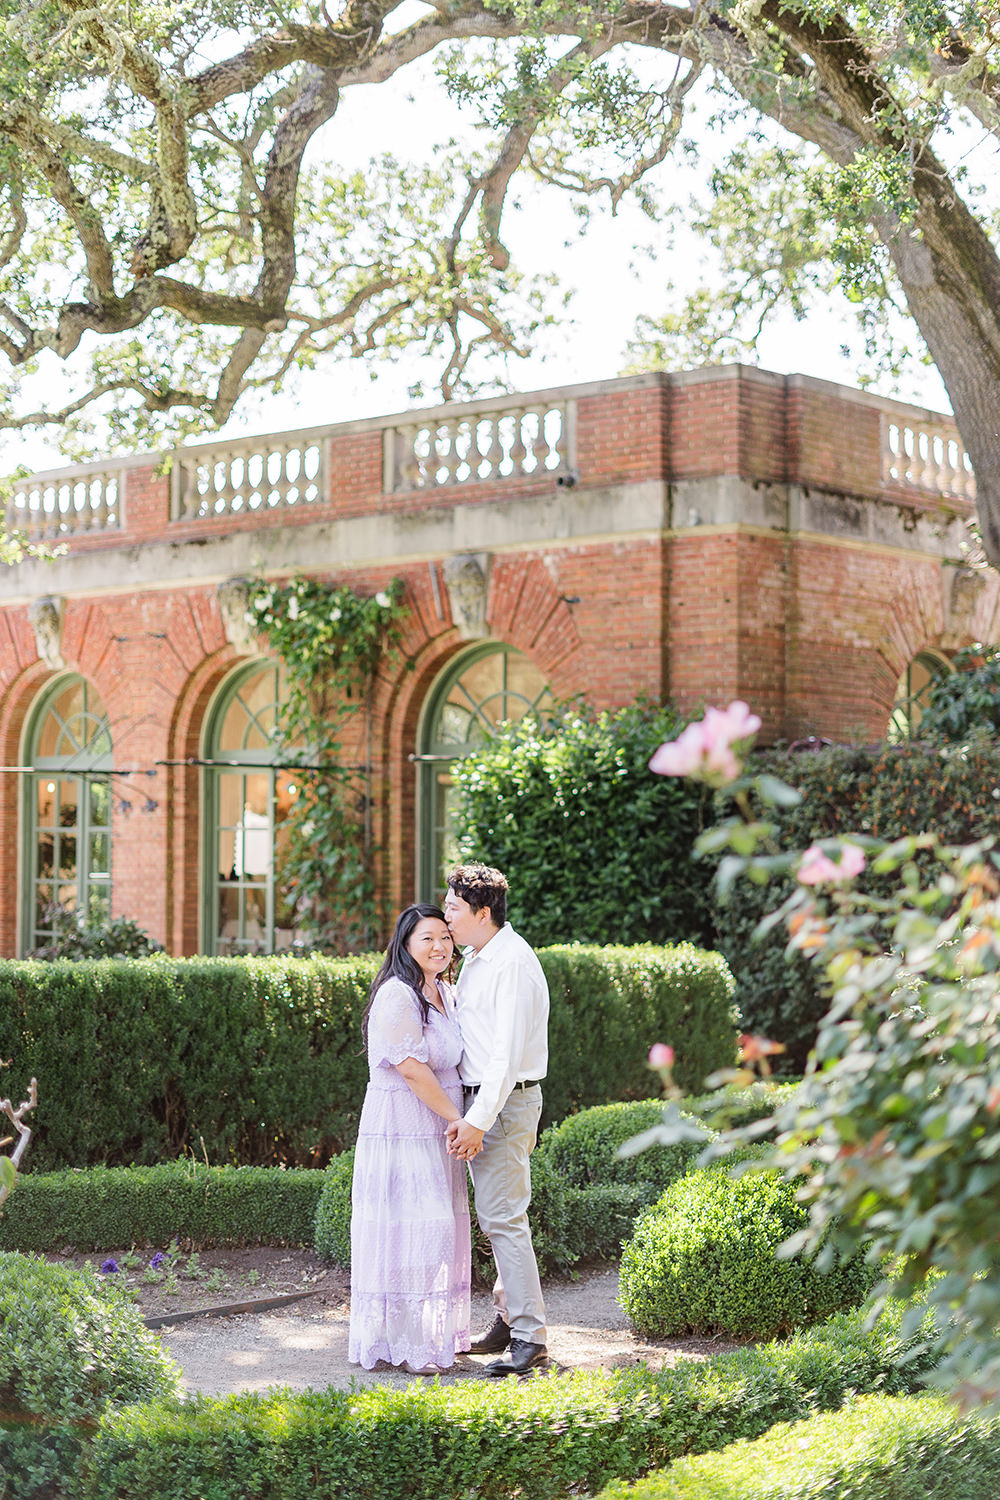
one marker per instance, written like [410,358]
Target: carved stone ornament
[466,578]
[238,620]
[46,617]
[963,590]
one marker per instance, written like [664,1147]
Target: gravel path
[305,1344]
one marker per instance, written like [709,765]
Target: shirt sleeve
[514,1001]
[395,1026]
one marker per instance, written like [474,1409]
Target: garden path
[305,1344]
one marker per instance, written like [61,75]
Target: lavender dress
[410,1242]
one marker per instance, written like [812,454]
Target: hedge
[597,849]
[704,1259]
[877,1448]
[887,791]
[544,1437]
[109,1207]
[67,1352]
[259,1060]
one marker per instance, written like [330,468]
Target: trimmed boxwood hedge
[259,1060]
[110,1207]
[876,1448]
[703,1259]
[545,1437]
[68,1351]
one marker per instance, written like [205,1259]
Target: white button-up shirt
[503,1015]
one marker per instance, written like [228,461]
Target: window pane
[46,855]
[46,803]
[67,792]
[67,856]
[43,904]
[100,854]
[100,803]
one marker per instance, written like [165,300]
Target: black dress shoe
[523,1357]
[494,1341]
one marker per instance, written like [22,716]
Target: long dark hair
[399,964]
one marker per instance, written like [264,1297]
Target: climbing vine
[332,642]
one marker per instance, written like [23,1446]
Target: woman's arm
[422,1081]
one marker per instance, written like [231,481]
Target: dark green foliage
[103,1207]
[596,848]
[332,1224]
[67,1352]
[964,703]
[544,1438]
[878,1448]
[610,1004]
[887,791]
[259,1060]
[703,1260]
[582,1148]
[119,937]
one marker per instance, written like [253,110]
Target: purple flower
[157,1261]
[109,1267]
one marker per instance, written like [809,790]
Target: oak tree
[162,232]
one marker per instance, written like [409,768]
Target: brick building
[715,534]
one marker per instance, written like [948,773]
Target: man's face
[466,925]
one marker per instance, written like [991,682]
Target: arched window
[912,693]
[68,809]
[248,798]
[488,686]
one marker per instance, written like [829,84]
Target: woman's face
[430,946]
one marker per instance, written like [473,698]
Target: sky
[610,287]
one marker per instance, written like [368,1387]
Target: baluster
[518,452]
[494,453]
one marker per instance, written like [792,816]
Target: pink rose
[705,750]
[661,1055]
[816,868]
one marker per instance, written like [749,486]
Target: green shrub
[610,1004]
[105,1207]
[703,1260]
[596,848]
[581,1149]
[887,791]
[332,1224]
[113,937]
[67,1353]
[877,1448]
[259,1060]
[544,1438]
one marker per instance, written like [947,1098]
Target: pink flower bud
[816,868]
[661,1056]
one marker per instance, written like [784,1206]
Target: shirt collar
[486,952]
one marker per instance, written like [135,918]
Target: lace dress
[410,1241]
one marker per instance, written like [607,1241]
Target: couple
[454,1078]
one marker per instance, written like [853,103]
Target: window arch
[490,685]
[67,809]
[248,796]
[912,693]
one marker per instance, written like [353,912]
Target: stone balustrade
[507,439]
[925,455]
[247,475]
[87,499]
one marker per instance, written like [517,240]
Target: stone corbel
[238,622]
[962,589]
[46,618]
[466,577]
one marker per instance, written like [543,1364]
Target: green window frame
[490,685]
[912,692]
[67,809]
[246,795]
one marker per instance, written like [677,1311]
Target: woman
[410,1241]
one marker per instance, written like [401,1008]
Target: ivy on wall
[332,642]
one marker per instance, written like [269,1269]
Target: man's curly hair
[481,885]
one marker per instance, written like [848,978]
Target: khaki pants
[501,1176]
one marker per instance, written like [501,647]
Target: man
[503,1013]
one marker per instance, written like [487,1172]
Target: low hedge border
[877,1448]
[541,1437]
[109,1207]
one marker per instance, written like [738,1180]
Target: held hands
[464,1140]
